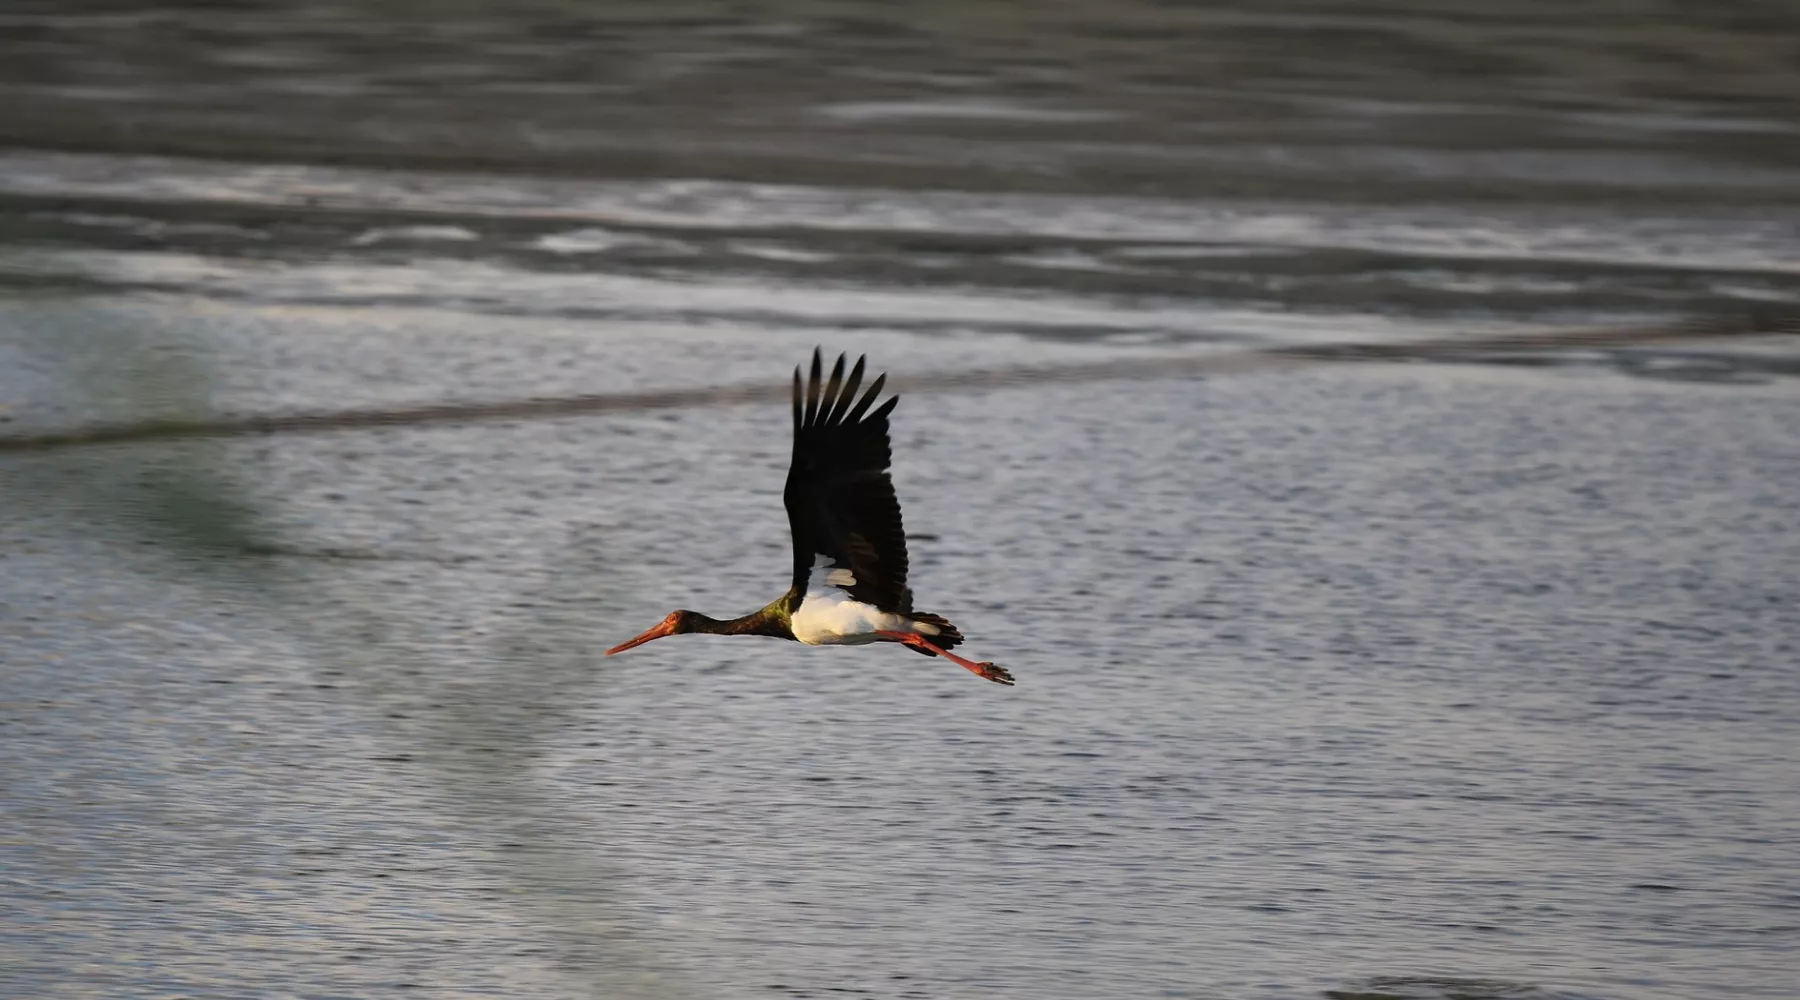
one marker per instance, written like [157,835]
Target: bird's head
[677,623]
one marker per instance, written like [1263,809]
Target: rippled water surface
[1427,680]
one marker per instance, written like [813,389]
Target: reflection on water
[1431,988]
[1422,682]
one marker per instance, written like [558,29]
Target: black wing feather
[840,497]
[847,394]
[869,397]
[812,390]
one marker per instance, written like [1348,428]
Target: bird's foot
[986,668]
[994,672]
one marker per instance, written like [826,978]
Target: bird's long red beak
[664,627]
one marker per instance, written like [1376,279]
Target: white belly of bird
[823,621]
[828,616]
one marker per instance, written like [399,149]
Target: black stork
[849,547]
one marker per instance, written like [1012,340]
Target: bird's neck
[766,621]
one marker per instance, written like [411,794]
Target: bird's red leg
[997,674]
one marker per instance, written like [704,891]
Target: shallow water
[1465,673]
[1415,680]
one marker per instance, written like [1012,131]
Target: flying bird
[849,546]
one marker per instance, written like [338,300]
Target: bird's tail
[946,636]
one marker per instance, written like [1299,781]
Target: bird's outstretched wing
[840,499]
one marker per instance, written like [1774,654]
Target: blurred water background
[1429,681]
